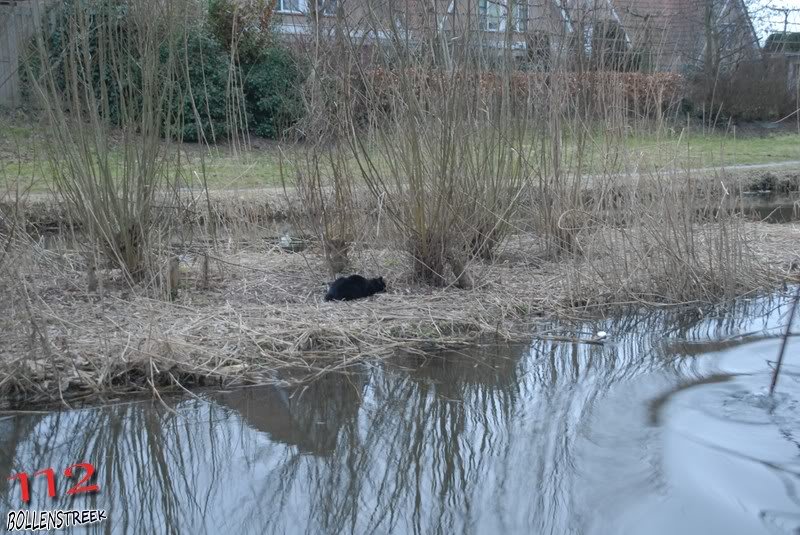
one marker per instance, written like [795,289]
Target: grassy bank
[23,162]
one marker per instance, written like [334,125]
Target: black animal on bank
[354,287]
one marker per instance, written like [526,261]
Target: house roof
[675,29]
[671,28]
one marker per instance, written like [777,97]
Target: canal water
[665,428]
[772,207]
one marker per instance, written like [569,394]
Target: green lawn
[255,169]
[23,161]
[696,150]
[647,153]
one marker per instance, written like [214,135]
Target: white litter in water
[602,334]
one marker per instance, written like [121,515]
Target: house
[662,35]
[532,29]
[650,35]
[682,35]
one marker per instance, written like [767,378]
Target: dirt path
[723,168]
[276,192]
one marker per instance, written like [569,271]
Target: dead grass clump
[664,239]
[266,322]
[263,321]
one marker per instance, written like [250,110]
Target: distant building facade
[658,35]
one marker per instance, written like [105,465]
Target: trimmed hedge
[755,91]
[640,93]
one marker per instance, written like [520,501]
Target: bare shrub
[113,166]
[322,173]
[322,181]
[664,239]
[448,158]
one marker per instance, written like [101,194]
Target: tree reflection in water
[543,438]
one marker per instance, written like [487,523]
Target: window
[492,15]
[728,35]
[588,39]
[328,7]
[520,16]
[294,6]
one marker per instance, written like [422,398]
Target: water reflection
[664,429]
[297,417]
[772,207]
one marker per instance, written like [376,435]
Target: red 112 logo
[69,472]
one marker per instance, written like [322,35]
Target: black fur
[354,287]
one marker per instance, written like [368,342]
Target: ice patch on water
[759,407]
[761,400]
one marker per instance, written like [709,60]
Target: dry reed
[265,321]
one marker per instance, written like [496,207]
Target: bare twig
[785,340]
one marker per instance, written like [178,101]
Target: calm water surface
[772,207]
[665,429]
